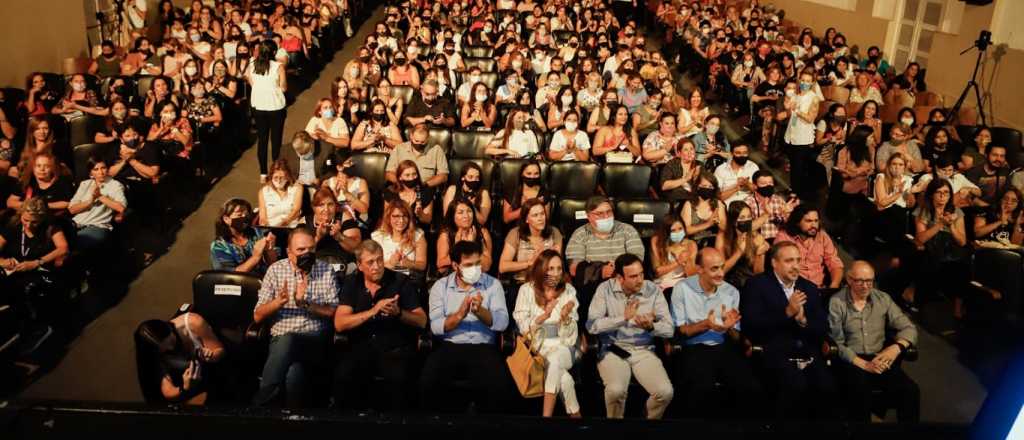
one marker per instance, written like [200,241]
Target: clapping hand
[386,307]
[283,296]
[476,301]
[567,311]
[631,308]
[795,308]
[644,321]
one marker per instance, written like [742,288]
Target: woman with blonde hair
[404,244]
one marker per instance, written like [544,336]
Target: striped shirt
[322,289]
[585,246]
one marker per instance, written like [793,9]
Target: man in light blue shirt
[627,313]
[705,309]
[467,310]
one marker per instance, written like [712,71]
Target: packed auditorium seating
[647,155]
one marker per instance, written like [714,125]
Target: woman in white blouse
[351,192]
[405,248]
[326,125]
[546,309]
[516,140]
[570,143]
[280,198]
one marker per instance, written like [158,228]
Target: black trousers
[269,130]
[481,365]
[803,159]
[802,393]
[355,373]
[702,366]
[897,388]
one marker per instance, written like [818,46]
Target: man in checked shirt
[297,299]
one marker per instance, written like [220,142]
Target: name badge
[643,218]
[227,289]
[581,215]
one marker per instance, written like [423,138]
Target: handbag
[528,367]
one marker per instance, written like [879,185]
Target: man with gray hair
[376,308]
[860,317]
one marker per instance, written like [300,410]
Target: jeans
[291,359]
[269,129]
[644,364]
[91,238]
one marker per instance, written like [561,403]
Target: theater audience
[98,202]
[530,186]
[404,245]
[237,245]
[470,187]
[460,224]
[280,199]
[595,246]
[939,230]
[524,243]
[673,255]
[818,252]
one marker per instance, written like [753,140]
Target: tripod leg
[981,106]
[955,110]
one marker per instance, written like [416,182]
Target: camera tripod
[982,43]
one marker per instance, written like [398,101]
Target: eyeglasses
[865,281]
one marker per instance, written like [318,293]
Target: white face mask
[907,121]
[190,71]
[167,117]
[473,79]
[470,275]
[748,64]
[481,97]
[279,184]
[712,129]
[566,100]
[78,87]
[570,125]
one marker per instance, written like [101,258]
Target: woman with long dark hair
[526,241]
[470,187]
[940,233]
[268,80]
[743,246]
[460,225]
[173,356]
[531,186]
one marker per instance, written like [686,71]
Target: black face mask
[740,160]
[305,261]
[766,191]
[418,147]
[473,185]
[744,226]
[430,101]
[240,223]
[531,181]
[705,193]
[379,117]
[364,58]
[400,61]
[242,55]
[132,143]
[411,184]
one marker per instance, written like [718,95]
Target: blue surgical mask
[677,236]
[327,113]
[605,225]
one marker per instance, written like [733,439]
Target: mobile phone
[619,351]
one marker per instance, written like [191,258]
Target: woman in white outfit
[546,309]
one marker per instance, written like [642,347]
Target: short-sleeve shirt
[24,248]
[991,184]
[418,108]
[225,255]
[337,128]
[559,141]
[321,289]
[385,332]
[727,177]
[584,245]
[148,154]
[525,250]
[887,149]
[98,215]
[430,163]
[59,191]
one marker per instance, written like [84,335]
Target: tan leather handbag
[528,367]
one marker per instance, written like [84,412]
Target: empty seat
[145,83]
[574,179]
[470,144]
[485,64]
[226,300]
[486,167]
[508,174]
[645,215]
[478,51]
[81,129]
[437,136]
[569,214]
[370,166]
[966,133]
[626,180]
[405,92]
[129,82]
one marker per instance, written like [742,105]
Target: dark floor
[99,364]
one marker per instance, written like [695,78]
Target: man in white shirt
[735,176]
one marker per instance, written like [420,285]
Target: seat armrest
[507,342]
[257,332]
[424,341]
[829,348]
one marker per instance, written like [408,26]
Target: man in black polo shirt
[377,309]
[429,108]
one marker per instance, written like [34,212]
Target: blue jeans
[290,360]
[91,238]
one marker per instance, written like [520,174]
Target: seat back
[486,171]
[645,215]
[569,214]
[145,82]
[489,78]
[478,51]
[470,144]
[83,152]
[508,174]
[225,299]
[966,133]
[573,179]
[626,180]
[81,129]
[370,166]
[437,136]
[405,92]
[485,64]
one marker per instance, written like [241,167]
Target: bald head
[860,277]
[711,268]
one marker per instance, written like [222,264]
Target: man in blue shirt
[705,309]
[467,310]
[627,313]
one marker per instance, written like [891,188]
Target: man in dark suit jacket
[783,313]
